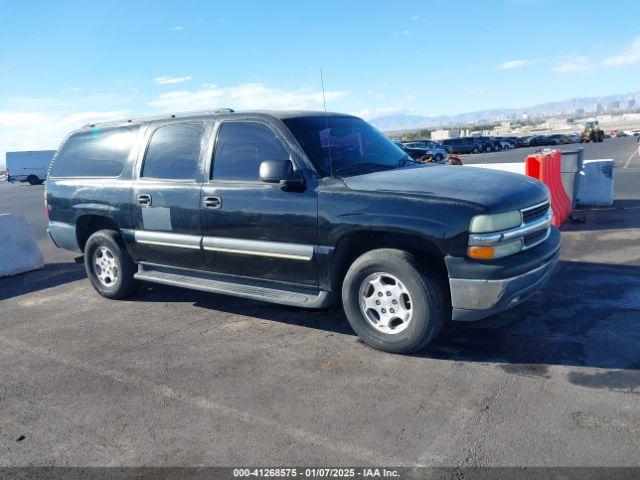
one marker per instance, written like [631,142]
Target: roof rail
[197,113]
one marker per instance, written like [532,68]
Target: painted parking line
[635,152]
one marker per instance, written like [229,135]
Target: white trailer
[29,167]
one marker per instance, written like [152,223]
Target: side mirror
[282,172]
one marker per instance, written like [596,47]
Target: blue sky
[65,63]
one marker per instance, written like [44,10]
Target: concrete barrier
[19,251]
[572,163]
[595,183]
[516,167]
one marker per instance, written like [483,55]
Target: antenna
[326,122]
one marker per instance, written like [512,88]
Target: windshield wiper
[407,158]
[363,164]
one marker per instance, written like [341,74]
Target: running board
[297,297]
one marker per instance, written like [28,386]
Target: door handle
[144,200]
[212,202]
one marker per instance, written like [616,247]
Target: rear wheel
[392,302]
[438,157]
[476,150]
[33,180]
[108,264]
[488,149]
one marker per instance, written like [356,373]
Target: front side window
[343,146]
[241,147]
[94,153]
[173,152]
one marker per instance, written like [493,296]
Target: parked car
[574,137]
[540,141]
[505,144]
[463,145]
[560,139]
[494,144]
[301,209]
[416,153]
[28,166]
[437,151]
[516,141]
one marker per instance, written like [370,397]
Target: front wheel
[108,264]
[438,158]
[392,302]
[476,150]
[33,180]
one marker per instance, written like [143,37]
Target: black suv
[490,143]
[304,209]
[463,145]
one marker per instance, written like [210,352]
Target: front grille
[535,238]
[531,214]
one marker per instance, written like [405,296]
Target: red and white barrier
[546,166]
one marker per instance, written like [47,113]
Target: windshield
[345,146]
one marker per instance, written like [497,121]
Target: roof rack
[197,113]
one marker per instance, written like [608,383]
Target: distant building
[611,106]
[631,103]
[503,129]
[598,108]
[444,134]
[579,111]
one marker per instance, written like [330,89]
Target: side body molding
[291,251]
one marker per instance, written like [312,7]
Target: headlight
[495,222]
[495,251]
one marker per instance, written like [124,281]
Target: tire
[33,180]
[476,150]
[106,247]
[438,157]
[424,292]
[488,149]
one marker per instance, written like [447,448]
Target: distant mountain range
[402,121]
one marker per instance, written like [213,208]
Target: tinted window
[241,147]
[173,152]
[344,145]
[94,153]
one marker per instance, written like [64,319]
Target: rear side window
[241,147]
[94,153]
[173,152]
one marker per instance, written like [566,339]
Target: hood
[493,189]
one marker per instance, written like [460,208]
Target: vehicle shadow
[51,275]
[588,315]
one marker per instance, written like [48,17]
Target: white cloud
[369,113]
[629,57]
[573,65]
[511,64]
[245,96]
[178,28]
[416,18]
[171,80]
[404,32]
[30,130]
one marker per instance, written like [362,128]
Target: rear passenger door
[251,228]
[165,202]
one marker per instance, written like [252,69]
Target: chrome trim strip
[546,202]
[488,239]
[292,251]
[164,239]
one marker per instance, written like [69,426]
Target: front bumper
[483,289]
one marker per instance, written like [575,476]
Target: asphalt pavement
[178,377]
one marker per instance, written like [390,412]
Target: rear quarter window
[94,153]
